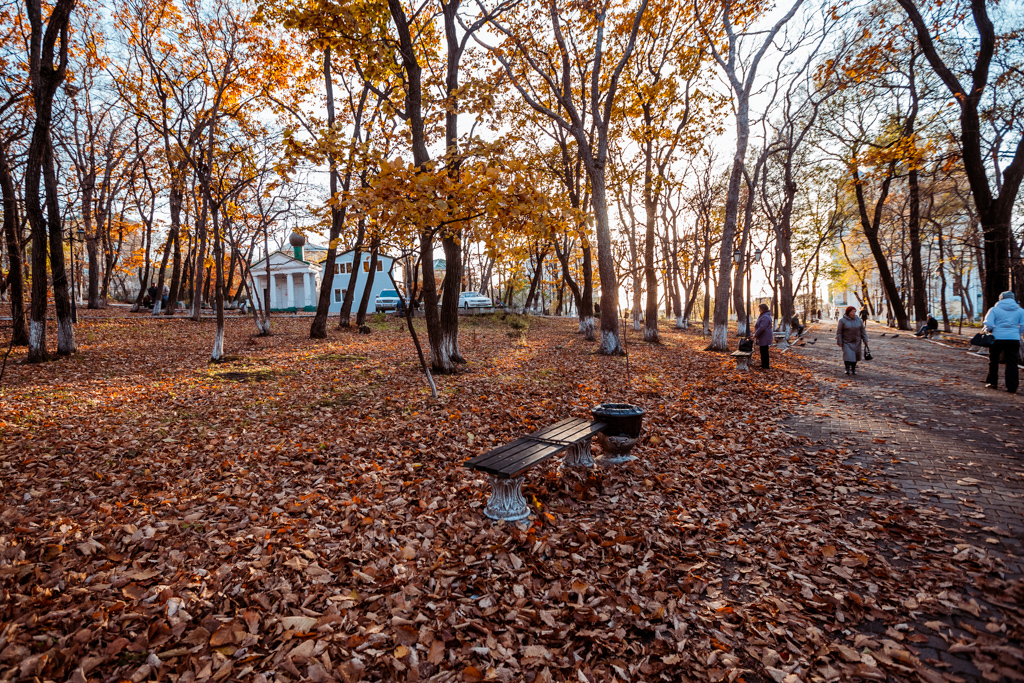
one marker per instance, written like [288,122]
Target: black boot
[847,364]
[853,368]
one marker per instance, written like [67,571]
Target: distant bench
[506,465]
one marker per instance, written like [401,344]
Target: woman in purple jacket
[763,334]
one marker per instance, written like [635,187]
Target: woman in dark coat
[852,336]
[763,334]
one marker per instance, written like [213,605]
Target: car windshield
[389,293]
[470,295]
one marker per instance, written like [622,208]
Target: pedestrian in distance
[763,334]
[864,314]
[852,337]
[798,329]
[930,324]
[1005,321]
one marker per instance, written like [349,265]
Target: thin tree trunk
[15,275]
[346,299]
[364,300]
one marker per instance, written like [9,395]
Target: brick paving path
[920,412]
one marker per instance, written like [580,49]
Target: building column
[272,287]
[306,298]
[291,290]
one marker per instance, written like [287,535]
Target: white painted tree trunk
[741,328]
[65,337]
[156,306]
[218,344]
[681,324]
[37,339]
[587,327]
[610,343]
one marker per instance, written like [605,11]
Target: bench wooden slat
[505,461]
[569,431]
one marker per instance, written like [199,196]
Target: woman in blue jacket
[1005,321]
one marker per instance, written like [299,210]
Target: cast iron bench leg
[743,362]
[578,455]
[506,501]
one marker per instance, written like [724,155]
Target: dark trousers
[764,357]
[1003,351]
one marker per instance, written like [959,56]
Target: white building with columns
[294,282]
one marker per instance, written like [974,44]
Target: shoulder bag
[983,340]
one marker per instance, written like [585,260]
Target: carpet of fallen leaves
[300,513]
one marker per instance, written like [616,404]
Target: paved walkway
[921,413]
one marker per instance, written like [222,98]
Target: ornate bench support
[578,455]
[617,449]
[506,501]
[742,360]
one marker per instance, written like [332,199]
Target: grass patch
[255,375]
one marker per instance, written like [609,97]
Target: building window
[337,296]
[337,268]
[366,267]
[380,266]
[348,267]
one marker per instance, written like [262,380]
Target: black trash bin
[622,419]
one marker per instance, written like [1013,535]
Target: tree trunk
[942,279]
[720,329]
[634,273]
[199,284]
[650,274]
[448,350]
[318,328]
[91,247]
[174,238]
[364,300]
[218,289]
[610,344]
[61,294]
[537,274]
[677,298]
[357,258]
[45,78]
[870,229]
[15,275]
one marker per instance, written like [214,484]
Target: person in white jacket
[1005,321]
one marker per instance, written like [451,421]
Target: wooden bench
[781,341]
[506,465]
[742,359]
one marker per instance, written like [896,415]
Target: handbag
[867,353]
[746,345]
[983,340]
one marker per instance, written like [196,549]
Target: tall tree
[741,73]
[48,60]
[563,79]
[994,209]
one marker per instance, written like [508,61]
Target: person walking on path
[852,336]
[763,334]
[1005,321]
[864,315]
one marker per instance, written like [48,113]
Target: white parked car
[387,300]
[473,300]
